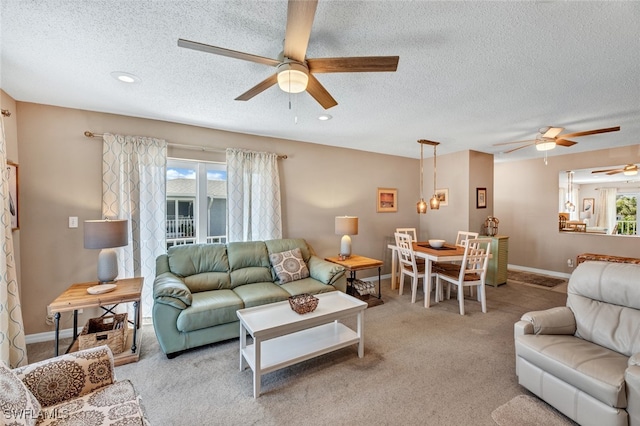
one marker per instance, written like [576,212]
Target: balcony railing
[626,227]
[192,240]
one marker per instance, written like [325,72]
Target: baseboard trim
[49,336]
[538,271]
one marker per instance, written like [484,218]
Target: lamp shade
[346,225]
[100,234]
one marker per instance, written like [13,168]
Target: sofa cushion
[285,244]
[260,294]
[191,259]
[115,404]
[605,299]
[209,308]
[306,285]
[247,254]
[289,266]
[17,405]
[208,281]
[595,370]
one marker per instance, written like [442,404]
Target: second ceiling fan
[549,137]
[294,71]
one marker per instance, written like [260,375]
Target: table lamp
[346,226]
[106,235]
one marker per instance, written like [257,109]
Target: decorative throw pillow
[289,266]
[18,406]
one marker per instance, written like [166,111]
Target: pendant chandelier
[434,202]
[569,205]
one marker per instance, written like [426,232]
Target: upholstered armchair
[76,388]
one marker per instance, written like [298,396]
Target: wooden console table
[358,263]
[76,297]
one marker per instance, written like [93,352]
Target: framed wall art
[588,205]
[481,198]
[12,178]
[443,196]
[387,200]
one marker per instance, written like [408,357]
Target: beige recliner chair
[584,358]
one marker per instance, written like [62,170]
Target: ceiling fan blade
[300,14]
[227,52]
[606,170]
[258,88]
[591,132]
[520,147]
[354,64]
[552,132]
[530,141]
[319,93]
[615,172]
[564,142]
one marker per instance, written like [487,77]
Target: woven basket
[109,330]
[303,303]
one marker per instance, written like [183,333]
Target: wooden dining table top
[449,250]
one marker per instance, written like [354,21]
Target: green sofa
[199,287]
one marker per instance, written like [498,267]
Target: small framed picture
[588,205]
[387,200]
[481,198]
[443,196]
[12,177]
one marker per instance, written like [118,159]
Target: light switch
[73,221]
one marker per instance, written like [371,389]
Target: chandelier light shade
[106,235]
[545,145]
[434,202]
[346,226]
[421,206]
[293,77]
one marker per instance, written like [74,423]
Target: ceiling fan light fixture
[293,77]
[545,145]
[630,170]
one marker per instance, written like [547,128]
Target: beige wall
[526,202]
[61,177]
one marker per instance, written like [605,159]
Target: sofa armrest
[632,379]
[171,290]
[324,271]
[559,320]
[68,376]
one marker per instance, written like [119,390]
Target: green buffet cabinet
[497,270]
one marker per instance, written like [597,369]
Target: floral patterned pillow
[18,406]
[289,266]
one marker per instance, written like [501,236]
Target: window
[196,202]
[626,213]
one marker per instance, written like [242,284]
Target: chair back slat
[476,259]
[464,236]
[411,231]
[406,255]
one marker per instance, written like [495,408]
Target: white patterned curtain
[253,196]
[134,188]
[606,209]
[13,349]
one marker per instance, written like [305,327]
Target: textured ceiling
[471,74]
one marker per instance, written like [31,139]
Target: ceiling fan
[628,170]
[294,72]
[549,137]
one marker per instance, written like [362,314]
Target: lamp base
[107,266]
[345,246]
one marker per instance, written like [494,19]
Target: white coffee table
[282,337]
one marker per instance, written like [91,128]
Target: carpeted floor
[421,367]
[535,279]
[526,410]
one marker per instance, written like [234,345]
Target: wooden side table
[358,263]
[76,297]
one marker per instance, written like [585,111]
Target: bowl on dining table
[436,243]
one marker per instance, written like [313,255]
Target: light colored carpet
[421,367]
[526,410]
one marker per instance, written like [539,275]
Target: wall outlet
[73,221]
[570,263]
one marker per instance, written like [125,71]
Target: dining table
[447,253]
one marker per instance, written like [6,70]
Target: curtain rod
[89,134]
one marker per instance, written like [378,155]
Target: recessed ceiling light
[325,117]
[125,77]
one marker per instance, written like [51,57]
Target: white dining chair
[410,268]
[461,241]
[472,272]
[411,231]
